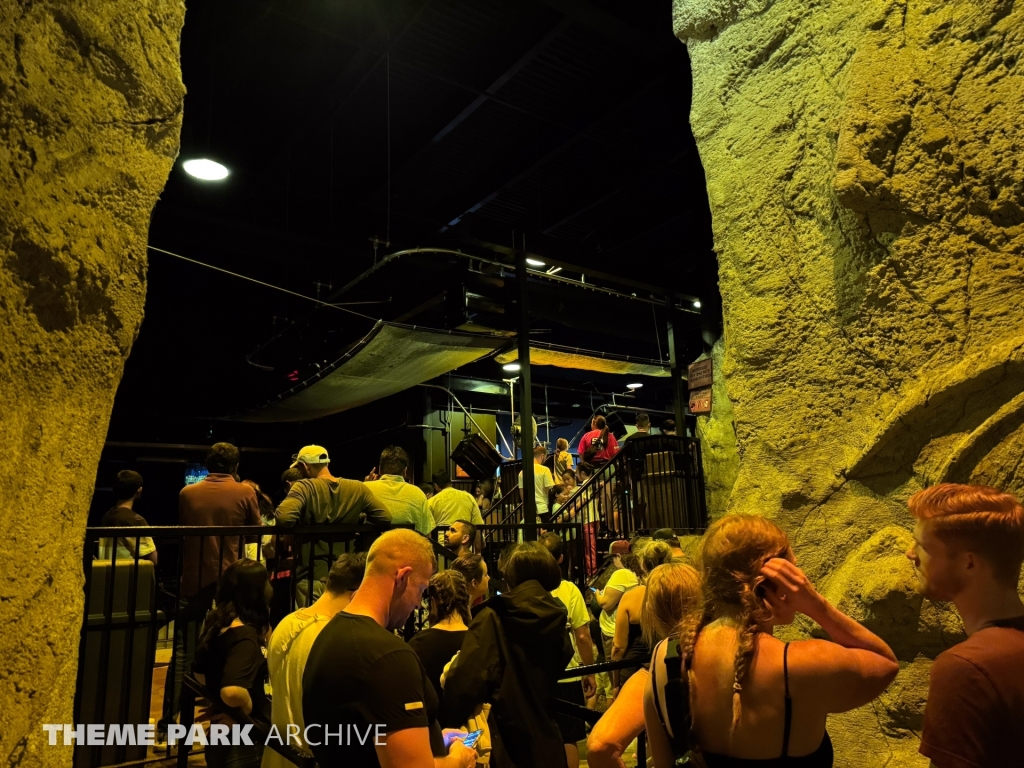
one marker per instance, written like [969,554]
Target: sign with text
[700,400]
[700,374]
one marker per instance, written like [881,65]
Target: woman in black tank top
[750,584]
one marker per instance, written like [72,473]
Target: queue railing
[129,600]
[591,716]
[654,481]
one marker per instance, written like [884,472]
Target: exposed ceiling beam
[565,265]
[548,156]
[502,79]
[325,105]
[657,167]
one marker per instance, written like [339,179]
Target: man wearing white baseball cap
[322,499]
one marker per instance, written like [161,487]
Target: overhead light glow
[510,367]
[635,385]
[696,305]
[204,169]
[535,262]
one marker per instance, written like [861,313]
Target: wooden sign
[700,374]
[700,401]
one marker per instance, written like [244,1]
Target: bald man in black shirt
[366,698]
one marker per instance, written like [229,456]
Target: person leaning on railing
[127,491]
[754,697]
[322,499]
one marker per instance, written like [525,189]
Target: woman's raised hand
[786,585]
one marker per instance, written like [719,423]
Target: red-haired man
[968,548]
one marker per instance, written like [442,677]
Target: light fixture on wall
[535,262]
[696,304]
[511,367]
[207,170]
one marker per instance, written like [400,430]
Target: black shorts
[573,730]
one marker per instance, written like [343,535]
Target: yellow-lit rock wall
[90,111]
[865,168]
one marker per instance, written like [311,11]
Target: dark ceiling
[419,123]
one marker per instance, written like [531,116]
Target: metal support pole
[679,399]
[526,402]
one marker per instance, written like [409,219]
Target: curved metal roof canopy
[389,359]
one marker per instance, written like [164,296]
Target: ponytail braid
[746,639]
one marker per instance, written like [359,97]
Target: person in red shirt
[599,445]
[968,548]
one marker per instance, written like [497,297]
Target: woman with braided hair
[729,689]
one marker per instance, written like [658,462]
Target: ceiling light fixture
[511,367]
[696,304]
[204,169]
[535,262]
[635,385]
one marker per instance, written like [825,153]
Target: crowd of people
[692,640]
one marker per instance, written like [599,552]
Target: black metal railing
[654,481]
[506,493]
[129,599]
[591,716]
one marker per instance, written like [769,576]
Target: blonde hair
[731,556]
[561,444]
[653,554]
[671,600]
[400,548]
[978,519]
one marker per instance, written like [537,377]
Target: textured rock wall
[865,172]
[90,111]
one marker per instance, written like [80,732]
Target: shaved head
[401,548]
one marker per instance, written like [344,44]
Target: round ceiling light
[204,169]
[511,367]
[535,262]
[635,385]
[696,305]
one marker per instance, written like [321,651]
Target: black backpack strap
[677,698]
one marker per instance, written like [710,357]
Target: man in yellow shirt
[389,482]
[449,505]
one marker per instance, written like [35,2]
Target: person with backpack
[599,445]
[513,655]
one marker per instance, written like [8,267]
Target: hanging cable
[260,282]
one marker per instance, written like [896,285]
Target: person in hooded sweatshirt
[515,650]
